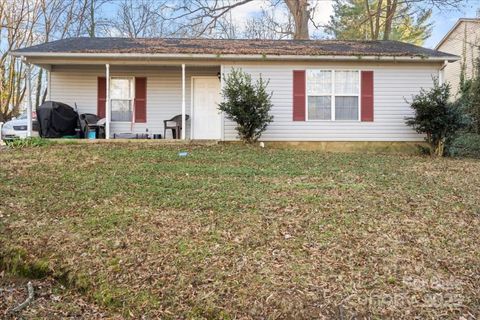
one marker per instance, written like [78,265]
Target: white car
[17,128]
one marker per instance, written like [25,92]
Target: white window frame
[132,97]
[333,95]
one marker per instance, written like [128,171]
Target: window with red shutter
[333,95]
[140,100]
[367,96]
[101,96]
[299,86]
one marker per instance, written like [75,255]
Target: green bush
[28,142]
[436,116]
[465,145]
[470,97]
[247,104]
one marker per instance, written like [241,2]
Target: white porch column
[107,103]
[29,97]
[183,103]
[222,85]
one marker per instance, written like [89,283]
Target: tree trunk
[378,16]
[91,30]
[301,15]
[370,20]
[44,96]
[39,88]
[391,10]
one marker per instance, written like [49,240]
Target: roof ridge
[236,39]
[259,47]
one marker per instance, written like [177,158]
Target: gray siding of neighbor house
[463,41]
[78,85]
[393,83]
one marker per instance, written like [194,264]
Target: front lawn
[236,232]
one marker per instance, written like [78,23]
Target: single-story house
[323,90]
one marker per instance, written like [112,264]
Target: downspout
[441,73]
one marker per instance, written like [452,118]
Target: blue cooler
[92,134]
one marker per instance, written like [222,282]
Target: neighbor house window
[121,97]
[333,95]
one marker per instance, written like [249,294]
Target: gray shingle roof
[238,47]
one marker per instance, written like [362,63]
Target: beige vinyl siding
[78,85]
[463,41]
[393,83]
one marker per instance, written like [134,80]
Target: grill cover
[56,120]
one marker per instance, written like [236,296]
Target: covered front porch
[140,99]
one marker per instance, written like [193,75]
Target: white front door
[206,118]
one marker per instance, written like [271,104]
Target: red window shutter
[101,96]
[140,99]
[367,96]
[299,88]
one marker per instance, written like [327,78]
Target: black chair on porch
[91,122]
[174,124]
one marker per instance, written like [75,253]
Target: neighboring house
[462,40]
[322,90]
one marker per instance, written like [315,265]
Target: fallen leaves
[240,232]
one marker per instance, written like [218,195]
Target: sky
[443,21]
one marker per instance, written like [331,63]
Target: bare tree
[269,26]
[17,20]
[28,22]
[56,21]
[86,18]
[51,12]
[227,28]
[138,18]
[266,25]
[202,17]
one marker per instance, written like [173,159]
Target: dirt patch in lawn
[51,301]
[238,232]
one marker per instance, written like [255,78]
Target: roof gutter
[249,57]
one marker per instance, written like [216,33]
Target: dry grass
[237,232]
